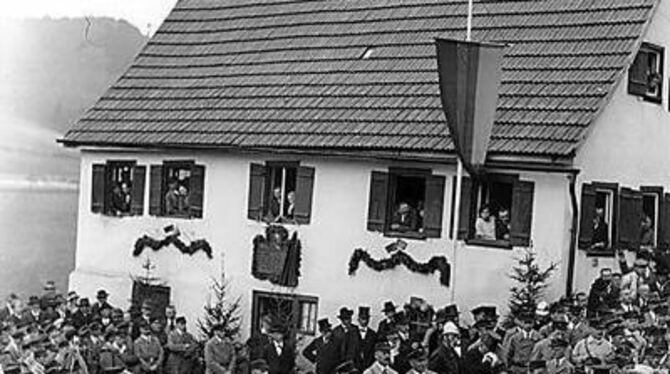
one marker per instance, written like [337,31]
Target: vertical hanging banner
[470,74]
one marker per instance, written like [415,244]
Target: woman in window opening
[485,227]
[290,206]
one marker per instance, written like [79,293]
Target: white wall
[629,143]
[338,226]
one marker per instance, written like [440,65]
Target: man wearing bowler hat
[388,323]
[368,339]
[322,351]
[278,352]
[102,303]
[382,360]
[346,336]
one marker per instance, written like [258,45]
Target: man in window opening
[172,197]
[273,213]
[600,238]
[503,224]
[183,204]
[647,233]
[120,199]
[405,218]
[485,226]
[289,210]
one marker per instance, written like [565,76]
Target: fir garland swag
[195,246]
[438,263]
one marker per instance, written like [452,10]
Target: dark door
[158,296]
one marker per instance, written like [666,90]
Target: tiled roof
[362,75]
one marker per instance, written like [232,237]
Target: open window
[598,218]
[496,210]
[651,221]
[177,189]
[298,313]
[645,76]
[406,203]
[117,188]
[280,192]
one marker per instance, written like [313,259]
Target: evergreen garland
[195,246]
[531,283]
[438,263]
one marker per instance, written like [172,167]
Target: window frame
[296,302]
[166,164]
[613,190]
[101,187]
[109,165]
[267,194]
[659,52]
[657,193]
[476,204]
[393,174]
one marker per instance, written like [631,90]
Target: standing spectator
[49,296]
[83,316]
[388,323]
[368,338]
[445,360]
[560,363]
[382,360]
[485,226]
[418,360]
[101,303]
[480,357]
[594,350]
[279,352]
[602,295]
[519,346]
[34,312]
[600,239]
[346,336]
[148,350]
[431,340]
[170,318]
[181,347]
[323,351]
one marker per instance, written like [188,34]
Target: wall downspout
[572,178]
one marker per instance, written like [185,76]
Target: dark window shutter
[98,188]
[664,224]
[467,208]
[303,194]
[588,205]
[197,195]
[137,193]
[637,75]
[522,213]
[629,218]
[379,184]
[256,191]
[433,206]
[156,190]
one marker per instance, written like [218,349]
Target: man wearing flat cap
[180,347]
[368,339]
[347,336]
[219,353]
[518,348]
[382,364]
[418,360]
[278,352]
[323,351]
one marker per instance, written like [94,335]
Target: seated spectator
[503,225]
[485,226]
[405,218]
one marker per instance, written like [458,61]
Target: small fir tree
[222,310]
[531,284]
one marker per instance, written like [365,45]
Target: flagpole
[459,183]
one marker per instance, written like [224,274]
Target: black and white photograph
[334,187]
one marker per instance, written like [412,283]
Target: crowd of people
[489,226]
[619,326]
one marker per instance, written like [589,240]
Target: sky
[146,15]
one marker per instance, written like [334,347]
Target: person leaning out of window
[485,226]
[405,218]
[503,225]
[600,238]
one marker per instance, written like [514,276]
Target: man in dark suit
[445,359]
[323,351]
[278,351]
[346,336]
[388,323]
[34,313]
[101,304]
[368,339]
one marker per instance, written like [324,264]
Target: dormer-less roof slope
[361,76]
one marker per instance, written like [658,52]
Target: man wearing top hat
[101,303]
[382,360]
[346,336]
[368,339]
[388,323]
[323,351]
